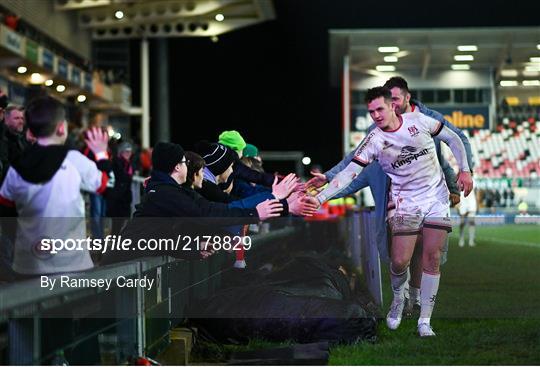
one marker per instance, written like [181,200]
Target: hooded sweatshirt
[44,187]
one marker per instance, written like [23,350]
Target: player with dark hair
[379,183]
[467,212]
[404,147]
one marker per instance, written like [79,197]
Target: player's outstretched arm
[319,179]
[330,174]
[340,182]
[359,182]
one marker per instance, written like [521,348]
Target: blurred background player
[523,207]
[467,211]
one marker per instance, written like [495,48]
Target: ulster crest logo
[413,130]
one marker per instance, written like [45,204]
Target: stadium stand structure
[512,150]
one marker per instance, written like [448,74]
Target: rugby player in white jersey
[404,147]
[467,212]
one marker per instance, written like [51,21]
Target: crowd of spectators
[218,189]
[497,198]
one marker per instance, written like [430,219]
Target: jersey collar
[397,128]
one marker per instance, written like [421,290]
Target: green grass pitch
[487,312]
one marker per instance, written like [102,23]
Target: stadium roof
[513,52]
[121,19]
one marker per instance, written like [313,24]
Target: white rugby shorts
[408,217]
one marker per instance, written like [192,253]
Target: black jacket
[12,146]
[4,152]
[169,210]
[119,197]
[243,172]
[214,192]
[240,170]
[165,198]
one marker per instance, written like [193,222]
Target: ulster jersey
[53,209]
[408,156]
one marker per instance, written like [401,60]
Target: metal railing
[136,321]
[362,243]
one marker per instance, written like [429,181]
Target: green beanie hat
[251,151]
[232,139]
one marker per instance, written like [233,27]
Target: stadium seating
[512,150]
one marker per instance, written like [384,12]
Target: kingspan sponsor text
[408,159]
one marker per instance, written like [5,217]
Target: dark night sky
[271,81]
